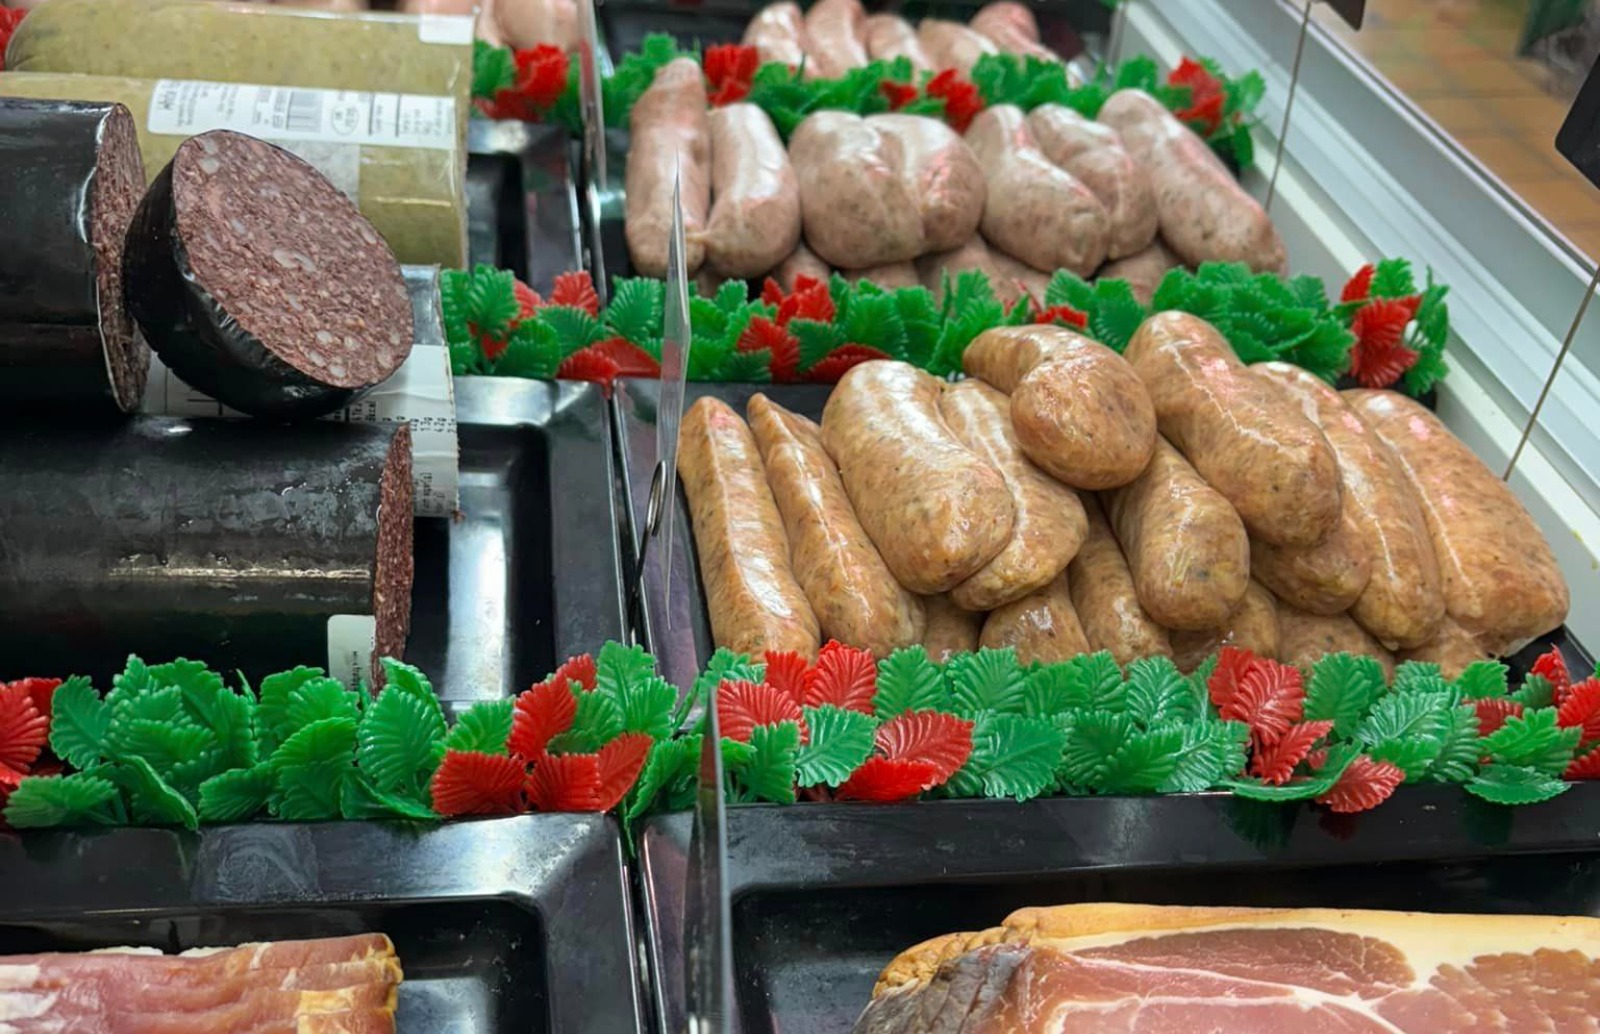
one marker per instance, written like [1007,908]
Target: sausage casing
[753,600]
[1050,522]
[936,511]
[953,45]
[755,210]
[1263,455]
[1035,210]
[1452,649]
[1307,638]
[1143,271]
[951,630]
[1012,28]
[943,175]
[1252,626]
[802,261]
[669,128]
[1500,579]
[1080,411]
[1042,626]
[856,205]
[778,32]
[855,598]
[890,277]
[890,36]
[1185,544]
[836,37]
[1094,153]
[1104,596]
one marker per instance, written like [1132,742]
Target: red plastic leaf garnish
[629,358]
[782,346]
[1365,784]
[1206,95]
[541,713]
[579,669]
[729,68]
[541,75]
[771,292]
[41,691]
[492,345]
[1270,698]
[1276,764]
[1223,685]
[1582,707]
[786,672]
[577,290]
[1552,667]
[9,20]
[1359,286]
[589,364]
[528,301]
[1378,358]
[1493,712]
[897,93]
[1585,766]
[621,761]
[23,730]
[844,676]
[10,779]
[1061,315]
[887,779]
[565,782]
[943,740]
[742,705]
[1317,758]
[1205,118]
[471,783]
[962,101]
[810,300]
[840,361]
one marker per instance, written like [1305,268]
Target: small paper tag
[351,640]
[452,29]
[184,107]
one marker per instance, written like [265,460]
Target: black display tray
[824,895]
[522,200]
[502,925]
[529,573]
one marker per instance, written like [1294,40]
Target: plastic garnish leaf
[621,761]
[235,795]
[1533,740]
[1515,784]
[1230,667]
[647,706]
[743,706]
[1457,758]
[1091,738]
[477,783]
[1407,729]
[786,672]
[1492,713]
[332,739]
[1482,679]
[941,739]
[484,727]
[637,311]
[74,800]
[843,676]
[577,291]
[150,800]
[132,681]
[889,779]
[1581,709]
[1144,762]
[1341,689]
[272,709]
[909,681]
[1270,697]
[668,774]
[1157,692]
[163,744]
[23,730]
[1553,667]
[311,793]
[987,680]
[1419,676]
[319,698]
[1365,784]
[1536,691]
[623,665]
[1276,764]
[1208,753]
[840,741]
[565,782]
[726,665]
[541,713]
[1012,756]
[599,719]
[1337,758]
[401,741]
[359,801]
[841,361]
[770,773]
[1584,766]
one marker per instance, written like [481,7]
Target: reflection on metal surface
[1288,106]
[523,200]
[1555,371]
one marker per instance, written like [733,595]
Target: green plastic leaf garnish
[1341,688]
[235,795]
[1533,740]
[359,801]
[1157,692]
[150,800]
[1209,753]
[1482,679]
[1012,756]
[769,775]
[909,681]
[1512,784]
[840,741]
[401,740]
[80,799]
[988,680]
[483,727]
[80,720]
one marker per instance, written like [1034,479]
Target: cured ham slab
[1120,969]
[341,985]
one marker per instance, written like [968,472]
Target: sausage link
[1252,626]
[778,32]
[1143,271]
[1080,411]
[1500,579]
[953,45]
[1185,544]
[890,277]
[1093,152]
[1206,216]
[1307,638]
[1452,650]
[1032,282]
[1401,603]
[1041,626]
[856,205]
[951,630]
[943,175]
[1265,457]
[855,598]
[936,511]
[1012,28]
[752,597]
[668,128]
[755,211]
[836,37]
[890,36]
[801,262]
[1050,522]
[1104,596]
[1035,211]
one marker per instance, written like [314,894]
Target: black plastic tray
[503,925]
[824,895]
[529,573]
[522,200]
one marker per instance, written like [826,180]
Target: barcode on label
[303,112]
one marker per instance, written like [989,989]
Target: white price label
[452,29]
[351,640]
[184,107]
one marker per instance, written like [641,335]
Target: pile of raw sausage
[1064,498]
[905,200]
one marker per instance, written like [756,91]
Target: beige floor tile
[1509,158]
[1417,79]
[1565,200]
[1458,115]
[1489,78]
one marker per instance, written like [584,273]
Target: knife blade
[707,920]
[591,107]
[675,339]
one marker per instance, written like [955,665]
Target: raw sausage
[752,598]
[527,23]
[1206,216]
[1144,271]
[1028,280]
[951,630]
[1266,458]
[855,598]
[1012,28]
[1252,626]
[1080,410]
[1402,603]
[1501,581]
[890,36]
[669,129]
[801,262]
[1011,280]
[1050,523]
[953,45]
[1452,650]
[891,277]
[778,32]
[1093,152]
[936,511]
[1307,638]
[1184,542]
[1041,626]
[1036,211]
[943,175]
[755,210]
[855,201]
[1104,596]
[836,37]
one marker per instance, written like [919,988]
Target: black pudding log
[70,179]
[259,283]
[228,541]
